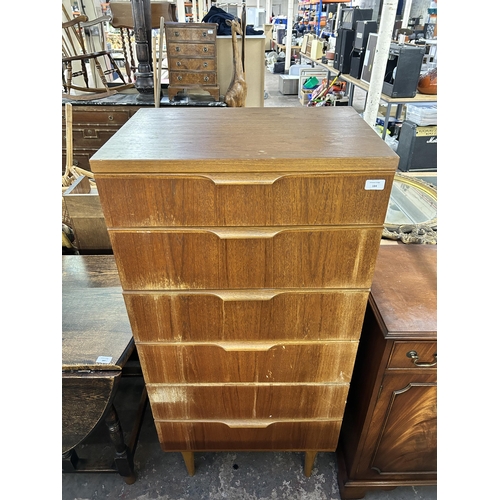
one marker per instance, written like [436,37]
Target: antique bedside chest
[389,432]
[192,58]
[246,260]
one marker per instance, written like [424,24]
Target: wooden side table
[389,432]
[96,344]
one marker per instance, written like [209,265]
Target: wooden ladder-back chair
[77,48]
[123,20]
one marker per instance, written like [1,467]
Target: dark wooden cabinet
[389,431]
[92,127]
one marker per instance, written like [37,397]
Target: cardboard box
[305,97]
[84,209]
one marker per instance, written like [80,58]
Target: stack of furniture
[192,58]
[245,268]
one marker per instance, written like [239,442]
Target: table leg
[386,121]
[123,458]
[309,462]
[69,461]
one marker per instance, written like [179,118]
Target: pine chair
[78,49]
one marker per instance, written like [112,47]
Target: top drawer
[178,33]
[413,355]
[238,199]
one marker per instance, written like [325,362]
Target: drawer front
[190,49]
[426,352]
[191,78]
[246,402]
[255,199]
[253,315]
[198,64]
[246,258]
[90,137]
[104,117]
[246,362]
[190,34]
[219,436]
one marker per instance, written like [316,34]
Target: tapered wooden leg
[309,462]
[188,457]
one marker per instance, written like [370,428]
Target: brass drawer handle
[414,356]
[111,118]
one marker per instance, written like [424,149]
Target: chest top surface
[404,289]
[245,139]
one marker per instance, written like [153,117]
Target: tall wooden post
[144,80]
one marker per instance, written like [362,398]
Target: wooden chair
[77,48]
[123,20]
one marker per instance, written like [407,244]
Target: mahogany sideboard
[389,431]
[246,261]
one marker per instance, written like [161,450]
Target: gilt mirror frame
[421,232]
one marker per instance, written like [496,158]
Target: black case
[343,50]
[357,59]
[417,148]
[407,61]
[356,15]
[363,30]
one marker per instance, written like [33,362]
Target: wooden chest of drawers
[192,58]
[246,261]
[389,433]
[92,127]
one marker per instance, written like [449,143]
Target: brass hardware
[179,78]
[178,63]
[177,49]
[204,33]
[90,133]
[205,78]
[205,49]
[414,356]
[111,118]
[205,65]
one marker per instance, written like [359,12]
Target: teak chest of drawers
[192,58]
[246,262]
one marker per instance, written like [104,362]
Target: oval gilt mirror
[412,213]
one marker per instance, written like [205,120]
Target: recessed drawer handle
[231,233]
[248,425]
[242,179]
[247,346]
[414,356]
